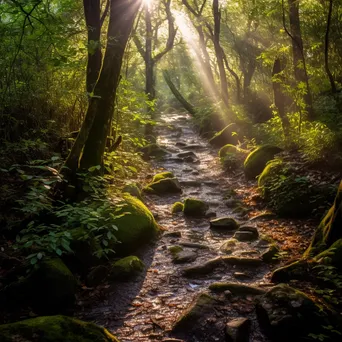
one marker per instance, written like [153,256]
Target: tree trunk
[188,106]
[279,99]
[219,52]
[299,64]
[326,49]
[92,12]
[149,63]
[97,121]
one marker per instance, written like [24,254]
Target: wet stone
[245,262]
[244,236]
[193,245]
[238,330]
[176,234]
[186,154]
[191,183]
[202,269]
[184,257]
[241,275]
[224,223]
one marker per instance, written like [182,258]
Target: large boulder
[287,314]
[54,329]
[194,207]
[226,136]
[49,288]
[257,160]
[135,224]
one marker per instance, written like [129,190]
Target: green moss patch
[162,175]
[195,207]
[177,207]
[127,268]
[164,186]
[54,329]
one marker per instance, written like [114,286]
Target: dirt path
[145,309]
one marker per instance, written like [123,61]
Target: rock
[245,262]
[180,144]
[195,207]
[224,223]
[297,270]
[135,224]
[164,186]
[153,150]
[210,214]
[236,289]
[225,136]
[202,269]
[193,147]
[228,246]
[257,159]
[176,234]
[184,257]
[269,255]
[238,330]
[191,183]
[186,154]
[48,289]
[177,207]
[287,314]
[202,305]
[193,245]
[54,329]
[241,275]
[133,190]
[175,249]
[162,175]
[233,203]
[126,268]
[97,275]
[245,235]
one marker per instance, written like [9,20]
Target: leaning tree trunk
[187,106]
[93,133]
[299,64]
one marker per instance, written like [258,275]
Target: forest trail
[146,308]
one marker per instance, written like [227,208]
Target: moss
[224,223]
[164,186]
[126,268]
[49,289]
[195,207]
[133,190]
[236,288]
[54,329]
[177,207]
[231,149]
[225,136]
[175,249]
[332,256]
[135,224]
[162,175]
[257,160]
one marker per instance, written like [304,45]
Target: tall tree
[93,134]
[299,63]
[94,22]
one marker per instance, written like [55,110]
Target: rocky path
[147,308]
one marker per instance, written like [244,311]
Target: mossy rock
[50,288]
[177,207]
[202,305]
[126,268]
[203,268]
[133,190]
[175,249]
[195,207]
[286,314]
[54,329]
[162,175]
[226,136]
[136,225]
[257,160]
[153,150]
[164,187]
[297,270]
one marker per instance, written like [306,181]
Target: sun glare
[148,3]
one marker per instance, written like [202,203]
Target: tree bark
[326,49]
[299,64]
[219,52]
[99,114]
